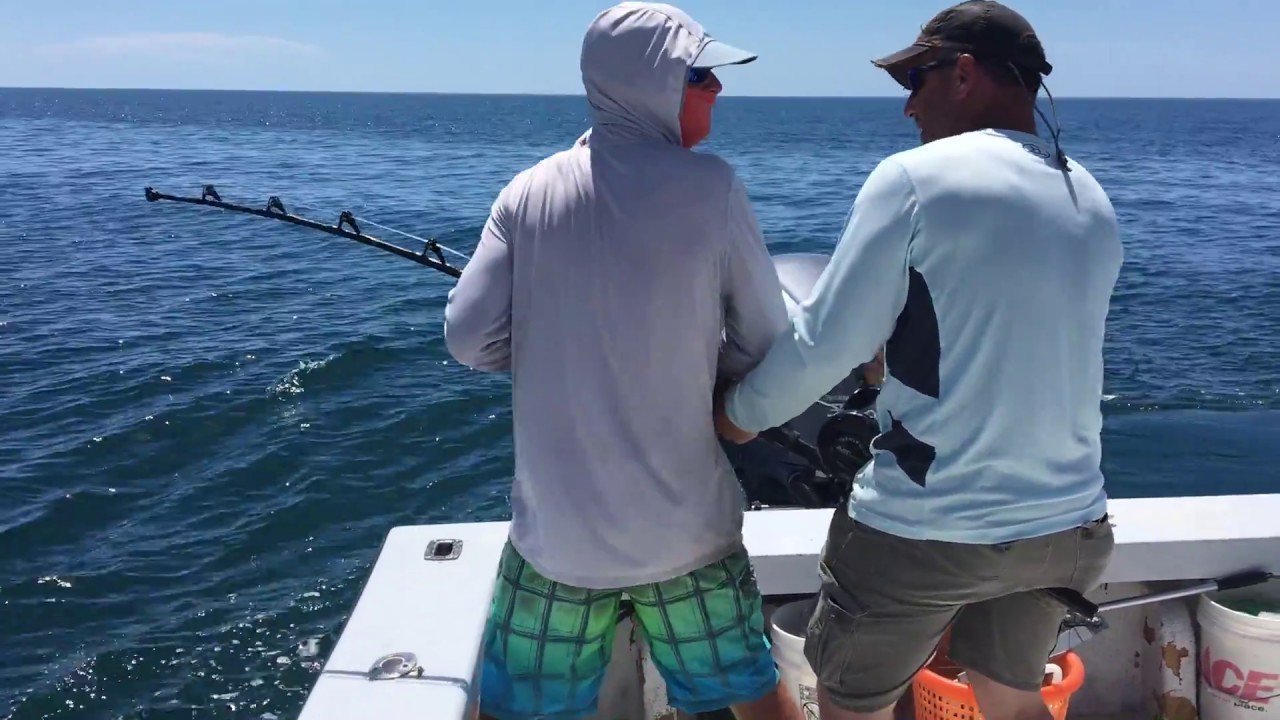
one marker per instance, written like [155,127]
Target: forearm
[801,367]
[477,316]
[849,314]
[755,314]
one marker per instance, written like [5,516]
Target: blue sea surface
[209,421]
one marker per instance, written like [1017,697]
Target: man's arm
[477,317]
[850,313]
[755,314]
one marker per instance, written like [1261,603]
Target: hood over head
[635,63]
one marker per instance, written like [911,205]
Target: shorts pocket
[1096,537]
[828,638]
[1095,544]
[1096,527]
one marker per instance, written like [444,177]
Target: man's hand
[873,372]
[725,426]
[731,432]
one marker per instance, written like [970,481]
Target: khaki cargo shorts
[886,601]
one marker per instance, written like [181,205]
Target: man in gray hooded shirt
[616,281]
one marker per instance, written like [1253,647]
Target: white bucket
[790,622]
[1240,654]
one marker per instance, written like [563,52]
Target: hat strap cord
[1055,128]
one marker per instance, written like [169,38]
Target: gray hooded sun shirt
[615,281]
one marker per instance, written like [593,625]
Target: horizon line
[583,94]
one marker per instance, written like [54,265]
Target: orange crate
[938,696]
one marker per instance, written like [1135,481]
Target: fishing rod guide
[346,227]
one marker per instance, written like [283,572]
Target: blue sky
[1134,48]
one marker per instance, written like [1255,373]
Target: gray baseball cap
[715,54]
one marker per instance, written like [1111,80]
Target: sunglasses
[697,76]
[915,76]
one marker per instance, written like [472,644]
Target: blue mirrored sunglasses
[697,76]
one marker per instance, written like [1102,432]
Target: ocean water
[209,421]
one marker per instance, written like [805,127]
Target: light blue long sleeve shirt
[987,273]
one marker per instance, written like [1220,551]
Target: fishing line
[371,223]
[411,236]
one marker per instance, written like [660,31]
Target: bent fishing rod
[346,227]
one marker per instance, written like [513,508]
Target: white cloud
[176,46]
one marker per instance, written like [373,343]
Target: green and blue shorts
[547,644]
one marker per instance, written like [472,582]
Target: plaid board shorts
[547,644]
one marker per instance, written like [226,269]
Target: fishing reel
[844,439]
[839,449]
[844,445]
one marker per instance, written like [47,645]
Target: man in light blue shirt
[984,261]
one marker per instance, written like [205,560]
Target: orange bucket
[938,696]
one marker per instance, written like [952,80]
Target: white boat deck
[436,608]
